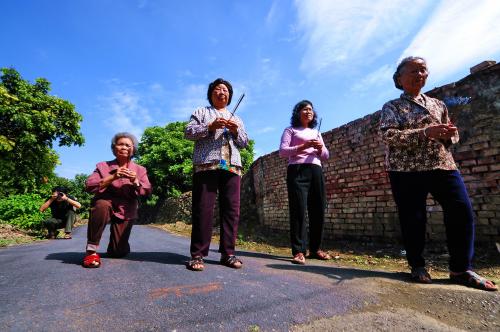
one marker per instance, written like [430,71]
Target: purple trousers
[100,214]
[206,185]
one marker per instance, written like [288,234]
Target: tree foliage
[168,157]
[247,155]
[30,121]
[22,210]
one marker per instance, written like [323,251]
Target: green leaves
[23,211]
[30,121]
[168,158]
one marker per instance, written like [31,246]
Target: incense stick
[237,104]
[319,127]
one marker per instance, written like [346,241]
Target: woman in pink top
[117,185]
[304,148]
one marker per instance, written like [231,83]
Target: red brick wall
[360,205]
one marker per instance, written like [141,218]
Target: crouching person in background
[117,185]
[62,206]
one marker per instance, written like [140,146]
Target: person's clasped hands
[440,131]
[314,143]
[220,123]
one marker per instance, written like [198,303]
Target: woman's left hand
[232,126]
[440,131]
[316,144]
[129,174]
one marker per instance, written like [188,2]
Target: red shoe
[92,261]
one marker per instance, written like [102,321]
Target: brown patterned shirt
[402,125]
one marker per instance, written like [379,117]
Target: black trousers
[306,189]
[410,190]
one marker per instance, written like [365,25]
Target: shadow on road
[155,257]
[260,255]
[342,274]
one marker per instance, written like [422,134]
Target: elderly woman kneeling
[117,185]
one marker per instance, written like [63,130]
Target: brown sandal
[421,275]
[321,255]
[231,261]
[195,264]
[299,259]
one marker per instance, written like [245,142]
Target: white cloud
[126,112]
[380,77]
[193,96]
[132,106]
[458,34]
[271,15]
[340,33]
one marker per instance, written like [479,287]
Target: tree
[247,155]
[30,121]
[168,157]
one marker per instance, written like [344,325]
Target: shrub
[22,210]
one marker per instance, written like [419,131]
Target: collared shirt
[208,147]
[121,192]
[292,138]
[402,125]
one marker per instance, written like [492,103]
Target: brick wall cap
[482,65]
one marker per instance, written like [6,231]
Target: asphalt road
[44,288]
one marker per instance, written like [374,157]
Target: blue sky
[131,64]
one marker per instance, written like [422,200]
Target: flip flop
[299,259]
[474,280]
[421,275]
[321,255]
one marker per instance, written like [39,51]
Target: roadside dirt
[437,307]
[10,235]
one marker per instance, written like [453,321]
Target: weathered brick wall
[360,205]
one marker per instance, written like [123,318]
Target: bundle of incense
[237,104]
[319,127]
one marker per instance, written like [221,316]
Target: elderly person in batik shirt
[418,135]
[218,137]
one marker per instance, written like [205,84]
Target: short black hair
[212,86]
[295,119]
[60,189]
[401,65]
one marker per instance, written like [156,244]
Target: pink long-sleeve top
[121,192]
[292,138]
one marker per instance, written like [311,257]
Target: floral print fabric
[402,125]
[218,150]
